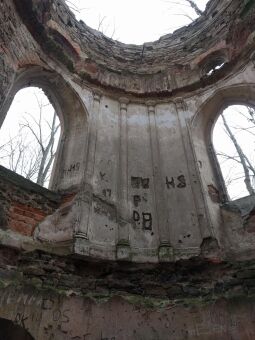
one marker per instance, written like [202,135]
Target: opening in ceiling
[136,22]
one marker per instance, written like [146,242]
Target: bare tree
[240,157]
[186,8]
[74,7]
[32,151]
[104,25]
[194,6]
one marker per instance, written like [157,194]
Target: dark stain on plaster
[104,207]
[249,222]
[53,48]
[248,6]
[62,41]
[214,193]
[38,31]
[210,249]
[3,218]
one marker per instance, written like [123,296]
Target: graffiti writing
[140,183]
[102,175]
[107,193]
[74,168]
[144,218]
[137,199]
[20,320]
[47,304]
[141,217]
[61,316]
[179,182]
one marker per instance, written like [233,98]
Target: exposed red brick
[21,227]
[214,193]
[68,198]
[17,210]
[28,209]
[22,218]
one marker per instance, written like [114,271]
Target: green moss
[53,48]
[98,298]
[147,302]
[54,290]
[3,284]
[135,300]
[124,243]
[248,6]
[35,282]
[82,75]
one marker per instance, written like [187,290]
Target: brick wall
[23,204]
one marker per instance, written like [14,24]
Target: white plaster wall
[144,174]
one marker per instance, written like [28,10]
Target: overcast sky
[244,132]
[24,108]
[135,21]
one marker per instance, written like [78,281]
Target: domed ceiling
[177,62]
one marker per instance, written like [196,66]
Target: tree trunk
[47,153]
[247,178]
[195,7]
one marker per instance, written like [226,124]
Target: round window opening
[136,22]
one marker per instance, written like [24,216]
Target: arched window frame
[213,62]
[203,124]
[62,97]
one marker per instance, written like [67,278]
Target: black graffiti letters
[170,183]
[20,320]
[144,218]
[182,182]
[107,193]
[137,200]
[140,183]
[179,182]
[147,221]
[136,216]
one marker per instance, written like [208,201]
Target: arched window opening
[234,144]
[214,67]
[11,331]
[29,136]
[213,63]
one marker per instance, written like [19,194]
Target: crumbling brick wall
[23,204]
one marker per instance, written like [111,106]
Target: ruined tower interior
[136,237]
